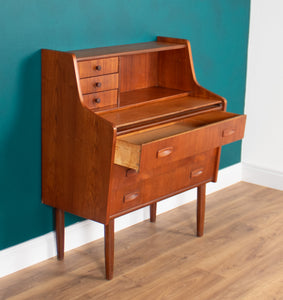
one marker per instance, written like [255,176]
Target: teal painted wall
[217,29]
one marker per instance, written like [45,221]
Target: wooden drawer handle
[131,197]
[228,132]
[164,152]
[196,172]
[131,172]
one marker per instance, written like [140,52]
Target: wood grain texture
[153,212]
[69,146]
[101,99]
[239,257]
[184,138]
[175,70]
[99,83]
[187,66]
[200,209]
[158,182]
[109,249]
[131,49]
[169,108]
[138,71]
[97,67]
[154,93]
[60,232]
[137,106]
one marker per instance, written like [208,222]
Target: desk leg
[200,209]
[109,249]
[60,232]
[153,212]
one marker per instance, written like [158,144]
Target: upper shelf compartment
[137,73]
[130,49]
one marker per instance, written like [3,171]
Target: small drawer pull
[98,68]
[228,132]
[196,173]
[97,100]
[131,172]
[164,152]
[130,197]
[98,84]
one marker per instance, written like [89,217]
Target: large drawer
[158,145]
[144,187]
[99,83]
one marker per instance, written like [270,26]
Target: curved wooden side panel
[177,71]
[77,145]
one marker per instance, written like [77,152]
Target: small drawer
[159,145]
[99,83]
[101,99]
[98,67]
[203,167]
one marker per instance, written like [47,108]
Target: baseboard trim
[44,247]
[261,176]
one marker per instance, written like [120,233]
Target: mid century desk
[124,127]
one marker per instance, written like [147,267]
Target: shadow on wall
[22,215]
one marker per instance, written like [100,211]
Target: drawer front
[232,131]
[155,154]
[101,99]
[98,67]
[203,167]
[143,187]
[178,140]
[193,171]
[99,83]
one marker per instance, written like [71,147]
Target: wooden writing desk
[124,127]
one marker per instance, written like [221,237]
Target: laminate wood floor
[239,257]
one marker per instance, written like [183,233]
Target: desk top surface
[158,110]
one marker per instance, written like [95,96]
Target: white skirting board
[260,176]
[41,248]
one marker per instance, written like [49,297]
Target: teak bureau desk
[124,127]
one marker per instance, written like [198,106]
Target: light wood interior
[174,128]
[128,150]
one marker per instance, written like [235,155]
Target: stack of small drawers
[99,82]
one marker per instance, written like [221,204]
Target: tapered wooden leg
[153,212]
[60,232]
[200,209]
[109,249]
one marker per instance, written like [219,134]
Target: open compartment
[154,76]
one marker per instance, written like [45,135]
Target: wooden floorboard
[240,256]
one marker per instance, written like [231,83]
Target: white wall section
[263,142]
